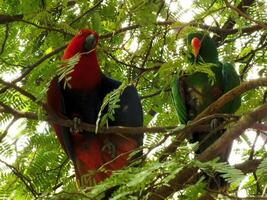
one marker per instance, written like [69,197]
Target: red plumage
[86,74]
[88,87]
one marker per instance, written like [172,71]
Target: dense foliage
[141,42]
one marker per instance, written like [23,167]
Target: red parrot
[82,99]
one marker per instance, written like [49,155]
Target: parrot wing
[230,80]
[129,114]
[178,100]
[55,102]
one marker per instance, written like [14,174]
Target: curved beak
[196,44]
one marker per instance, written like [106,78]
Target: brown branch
[17,114]
[25,180]
[5,39]
[241,13]
[248,166]
[142,70]
[213,151]
[219,31]
[229,96]
[260,127]
[227,31]
[11,64]
[230,22]
[138,130]
[87,12]
[120,62]
[32,66]
[20,90]
[60,167]
[52,118]
[189,129]
[5,19]
[151,95]
[261,45]
[214,107]
[122,30]
[46,27]
[4,133]
[245,122]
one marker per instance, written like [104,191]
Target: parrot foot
[76,125]
[109,147]
[214,123]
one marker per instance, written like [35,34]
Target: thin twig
[32,66]
[46,27]
[20,90]
[211,152]
[229,96]
[87,12]
[52,118]
[5,39]
[4,133]
[263,25]
[26,181]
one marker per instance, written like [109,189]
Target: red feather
[86,74]
[89,155]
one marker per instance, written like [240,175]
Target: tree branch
[260,127]
[229,96]
[5,39]
[5,19]
[20,90]
[4,133]
[214,107]
[25,180]
[218,146]
[32,66]
[230,23]
[241,13]
[50,28]
[248,166]
[219,31]
[230,134]
[53,118]
[87,12]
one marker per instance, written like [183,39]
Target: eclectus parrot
[192,93]
[82,98]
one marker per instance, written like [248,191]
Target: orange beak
[196,44]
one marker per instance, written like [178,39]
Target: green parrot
[193,92]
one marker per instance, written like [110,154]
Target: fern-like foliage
[110,103]
[68,68]
[140,41]
[228,172]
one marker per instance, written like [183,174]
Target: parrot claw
[214,123]
[109,147]
[76,125]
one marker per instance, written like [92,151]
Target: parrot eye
[80,33]
[90,42]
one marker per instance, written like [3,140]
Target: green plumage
[178,101]
[194,92]
[230,80]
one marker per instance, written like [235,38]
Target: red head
[86,74]
[196,44]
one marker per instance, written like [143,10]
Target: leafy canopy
[141,42]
